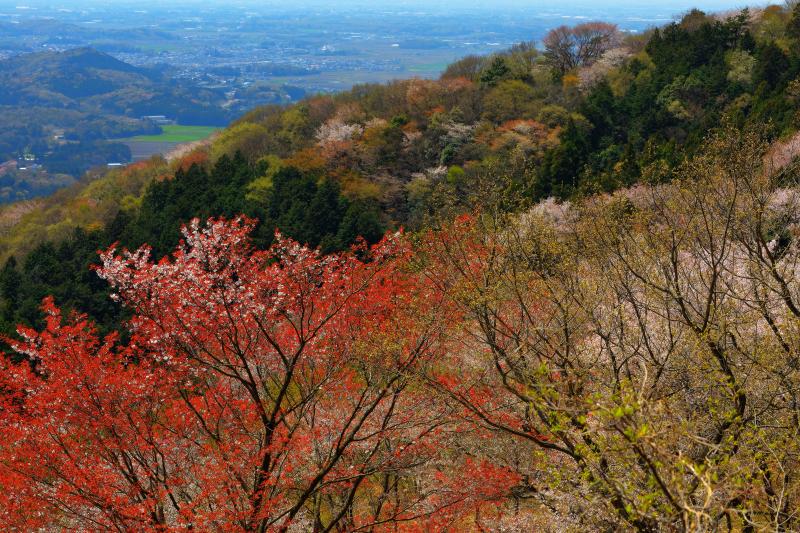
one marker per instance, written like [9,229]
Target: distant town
[282,52]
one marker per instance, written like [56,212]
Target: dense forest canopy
[553,290]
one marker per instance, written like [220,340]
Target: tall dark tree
[772,65]
[495,72]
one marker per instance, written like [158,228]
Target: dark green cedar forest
[501,132]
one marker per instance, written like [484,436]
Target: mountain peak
[88,57]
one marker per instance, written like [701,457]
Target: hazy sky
[629,14]
[674,5]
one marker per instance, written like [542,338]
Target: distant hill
[77,59]
[88,80]
[61,111]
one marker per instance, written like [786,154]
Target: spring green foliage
[178,134]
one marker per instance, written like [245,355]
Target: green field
[177,134]
[428,68]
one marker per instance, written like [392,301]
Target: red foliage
[196,157]
[260,390]
[132,168]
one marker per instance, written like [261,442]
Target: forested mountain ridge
[590,321]
[513,128]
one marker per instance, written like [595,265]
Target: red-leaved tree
[260,391]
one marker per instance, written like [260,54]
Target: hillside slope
[499,132]
[591,322]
